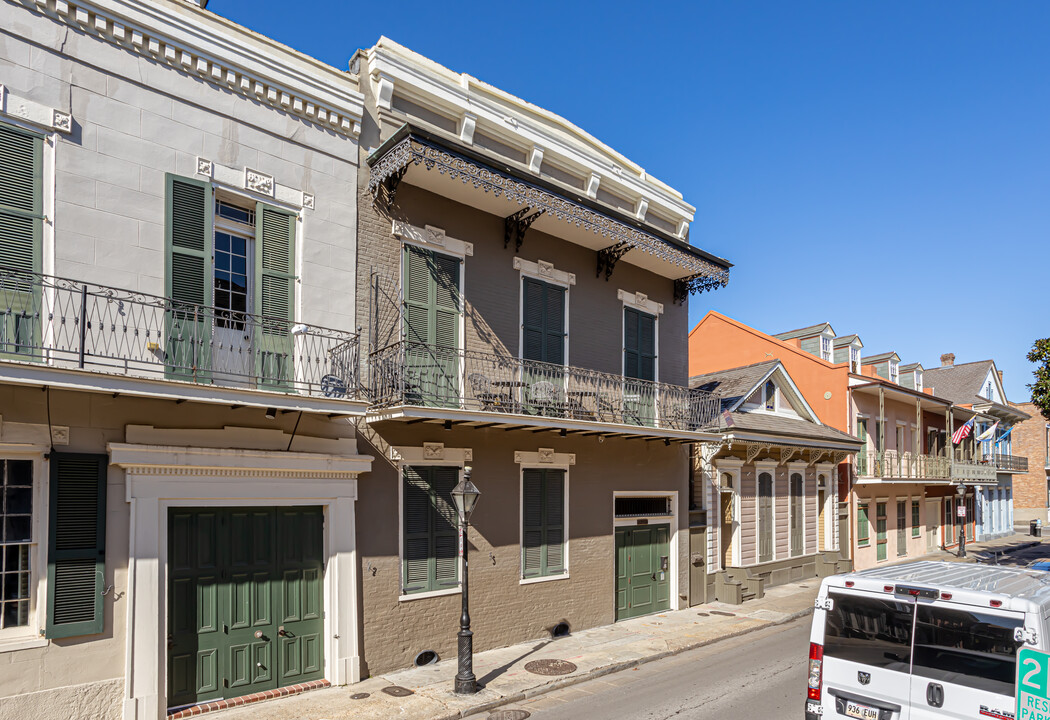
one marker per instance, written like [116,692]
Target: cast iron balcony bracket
[608,257]
[516,225]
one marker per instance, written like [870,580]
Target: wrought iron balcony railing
[892,464]
[907,465]
[424,375]
[1007,463]
[72,324]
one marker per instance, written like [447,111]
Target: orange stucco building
[718,342]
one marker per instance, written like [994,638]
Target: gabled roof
[782,426]
[735,384]
[805,332]
[911,366]
[872,359]
[959,383]
[847,340]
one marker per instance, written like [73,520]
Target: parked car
[1042,565]
[923,640]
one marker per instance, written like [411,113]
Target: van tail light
[995,603]
[946,596]
[816,669]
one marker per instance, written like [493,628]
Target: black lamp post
[465,495]
[961,490]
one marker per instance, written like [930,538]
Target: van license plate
[861,711]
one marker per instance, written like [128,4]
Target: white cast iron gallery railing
[432,376]
[72,324]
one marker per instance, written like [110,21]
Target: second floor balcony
[66,333]
[1005,463]
[894,465]
[464,384]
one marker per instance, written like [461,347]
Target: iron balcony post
[83,325]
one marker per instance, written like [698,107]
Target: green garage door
[643,574]
[244,601]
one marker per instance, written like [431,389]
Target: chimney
[947,359]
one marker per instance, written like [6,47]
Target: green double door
[244,601]
[643,570]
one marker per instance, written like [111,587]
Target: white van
[923,640]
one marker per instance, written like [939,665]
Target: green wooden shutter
[188,283]
[415,502]
[274,293]
[444,527]
[76,557]
[431,529]
[543,322]
[542,522]
[531,523]
[862,524]
[21,230]
[432,312]
[554,522]
[639,345]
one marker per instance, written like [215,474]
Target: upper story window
[769,396]
[854,360]
[825,348]
[16,542]
[894,372]
[988,390]
[918,379]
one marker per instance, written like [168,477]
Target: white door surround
[161,477]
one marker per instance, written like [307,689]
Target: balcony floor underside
[39,375]
[534,423]
[922,481]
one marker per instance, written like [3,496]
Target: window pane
[222,242]
[20,472]
[966,648]
[18,500]
[17,528]
[871,631]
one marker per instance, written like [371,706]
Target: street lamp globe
[465,495]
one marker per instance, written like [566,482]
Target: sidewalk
[594,652]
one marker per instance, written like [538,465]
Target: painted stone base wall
[504,611]
[92,701]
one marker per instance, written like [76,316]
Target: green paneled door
[244,601]
[880,531]
[643,577]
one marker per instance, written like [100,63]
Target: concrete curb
[613,668]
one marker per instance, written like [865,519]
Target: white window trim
[829,354]
[732,466]
[543,459]
[32,634]
[673,541]
[426,455]
[894,372]
[798,467]
[762,466]
[430,237]
[640,301]
[831,492]
[544,271]
[854,359]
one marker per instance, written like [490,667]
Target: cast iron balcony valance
[390,162]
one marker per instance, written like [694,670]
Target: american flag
[962,433]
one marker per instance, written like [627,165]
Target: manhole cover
[359,696]
[397,691]
[723,612]
[702,614]
[550,667]
[509,715]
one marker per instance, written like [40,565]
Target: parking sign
[1033,676]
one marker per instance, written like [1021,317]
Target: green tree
[1040,354]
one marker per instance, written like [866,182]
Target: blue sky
[880,166]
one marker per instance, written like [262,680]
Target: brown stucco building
[1031,439]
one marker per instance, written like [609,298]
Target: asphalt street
[759,675]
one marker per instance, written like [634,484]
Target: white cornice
[504,115]
[201,43]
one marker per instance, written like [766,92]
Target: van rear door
[867,655]
[963,661]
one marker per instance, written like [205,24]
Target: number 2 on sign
[1027,679]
